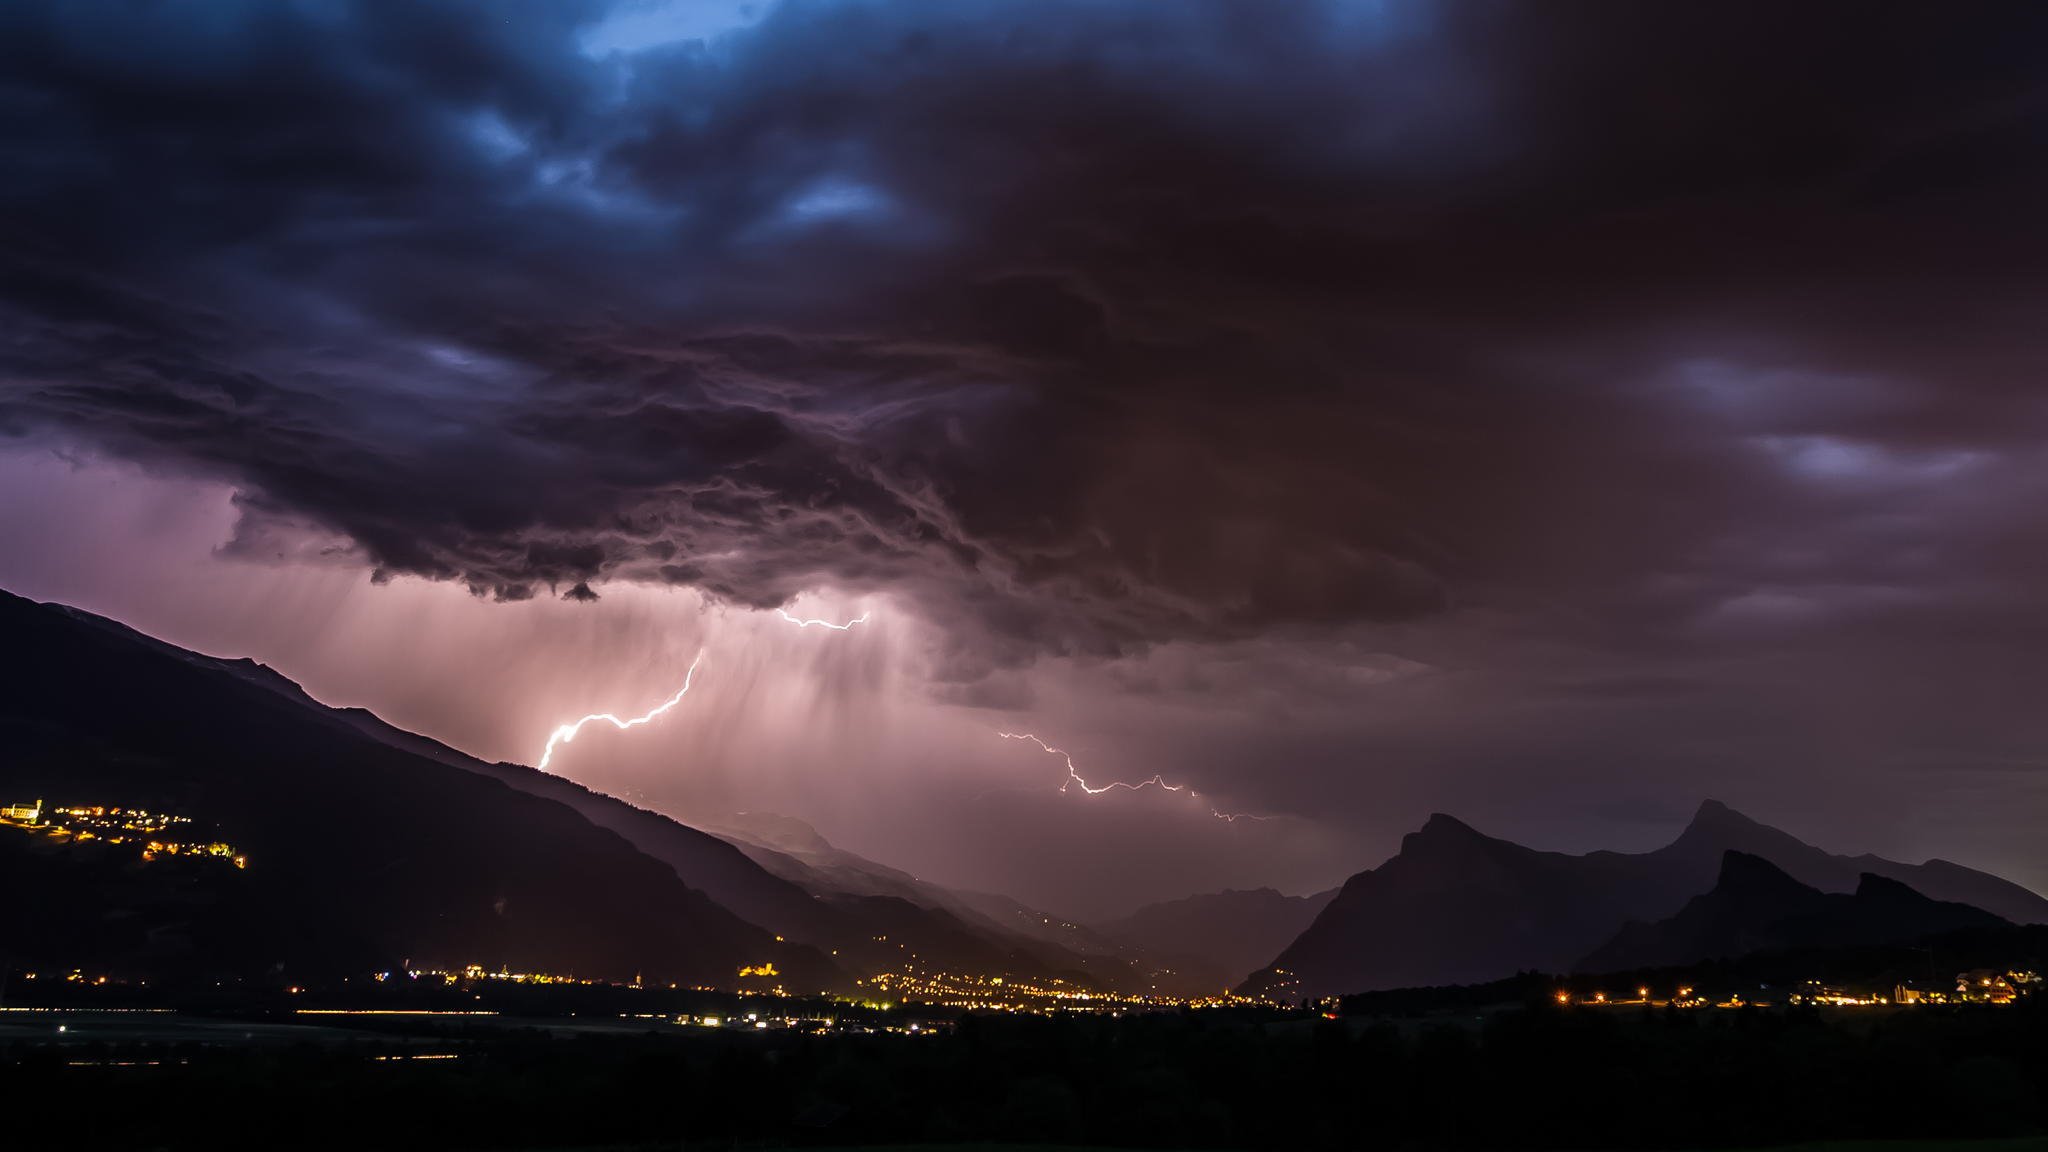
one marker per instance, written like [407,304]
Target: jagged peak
[1716,827]
[1441,833]
[1440,824]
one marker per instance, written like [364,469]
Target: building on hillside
[1985,986]
[23,813]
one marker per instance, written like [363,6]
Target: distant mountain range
[1458,907]
[1755,906]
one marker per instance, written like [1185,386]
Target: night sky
[1553,414]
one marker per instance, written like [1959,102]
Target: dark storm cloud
[1078,325]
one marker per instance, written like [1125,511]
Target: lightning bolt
[1156,781]
[860,619]
[567,732]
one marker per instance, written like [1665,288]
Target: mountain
[706,862]
[863,928]
[1717,828]
[1232,931]
[869,925]
[1458,907]
[1755,906]
[361,855]
[1455,906]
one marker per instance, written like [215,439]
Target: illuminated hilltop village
[156,835]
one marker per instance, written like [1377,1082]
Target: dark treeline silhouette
[1532,1078]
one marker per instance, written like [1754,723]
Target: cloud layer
[1083,327]
[1630,400]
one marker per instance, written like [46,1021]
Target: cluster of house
[1977,986]
[155,834]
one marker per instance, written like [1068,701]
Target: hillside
[840,921]
[360,855]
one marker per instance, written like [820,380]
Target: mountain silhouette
[362,855]
[1455,906]
[864,930]
[1755,906]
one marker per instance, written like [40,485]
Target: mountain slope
[1456,906]
[1756,907]
[1231,931]
[847,924]
[362,855]
[719,869]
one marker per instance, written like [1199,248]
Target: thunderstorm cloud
[1086,326]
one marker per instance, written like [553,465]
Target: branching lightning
[567,732]
[860,619]
[1156,781]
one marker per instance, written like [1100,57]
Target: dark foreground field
[1571,1080]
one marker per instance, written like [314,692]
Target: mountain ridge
[791,902]
[1455,905]
[1755,906]
[361,854]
